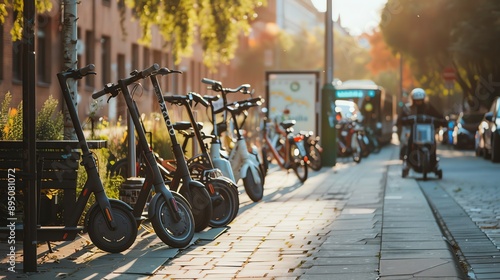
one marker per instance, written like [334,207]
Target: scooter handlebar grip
[89,69]
[99,94]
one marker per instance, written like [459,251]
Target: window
[43,57]
[78,48]
[157,58]
[89,56]
[17,59]
[106,59]
[135,57]
[122,107]
[1,52]
[79,63]
[146,64]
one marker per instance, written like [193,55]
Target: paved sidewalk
[352,221]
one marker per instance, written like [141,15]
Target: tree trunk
[69,35]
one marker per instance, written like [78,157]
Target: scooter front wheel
[109,240]
[175,234]
[253,189]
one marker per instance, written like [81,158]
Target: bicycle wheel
[112,241]
[226,203]
[253,189]
[355,148]
[175,234]
[314,156]
[299,165]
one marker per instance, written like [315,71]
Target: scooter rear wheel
[175,234]
[226,206]
[201,207]
[106,239]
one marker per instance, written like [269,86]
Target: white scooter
[239,164]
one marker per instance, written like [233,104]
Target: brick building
[115,54]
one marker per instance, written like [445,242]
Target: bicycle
[348,140]
[293,155]
[244,165]
[313,150]
[311,144]
[169,212]
[110,223]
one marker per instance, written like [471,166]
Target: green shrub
[49,122]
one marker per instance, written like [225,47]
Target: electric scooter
[169,212]
[109,222]
[243,165]
[421,150]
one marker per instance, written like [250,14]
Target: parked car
[445,133]
[488,136]
[348,110]
[464,130]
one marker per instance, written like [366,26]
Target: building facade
[111,47]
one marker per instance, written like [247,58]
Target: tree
[437,34]
[385,65]
[218,22]
[17,7]
[274,49]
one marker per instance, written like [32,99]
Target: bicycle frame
[283,162]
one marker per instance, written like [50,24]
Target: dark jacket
[424,109]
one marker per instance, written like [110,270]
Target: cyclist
[418,106]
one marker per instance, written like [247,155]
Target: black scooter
[169,212]
[421,149]
[109,222]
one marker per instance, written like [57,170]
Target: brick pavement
[353,221]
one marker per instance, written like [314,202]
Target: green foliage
[17,6]
[219,24]
[436,34]
[49,121]
[300,52]
[13,130]
[111,184]
[4,112]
